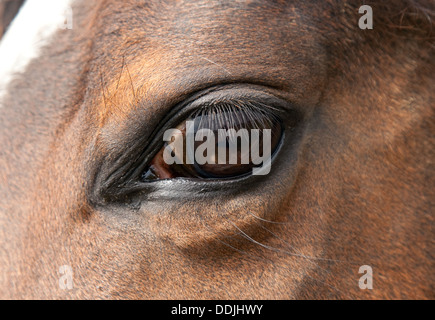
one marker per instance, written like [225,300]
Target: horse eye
[218,141]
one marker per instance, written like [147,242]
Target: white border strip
[31,29]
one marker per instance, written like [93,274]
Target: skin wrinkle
[352,184]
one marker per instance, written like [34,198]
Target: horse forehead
[214,28]
[38,20]
[33,27]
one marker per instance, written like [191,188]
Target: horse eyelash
[229,113]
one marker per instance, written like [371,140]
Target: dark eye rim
[120,184]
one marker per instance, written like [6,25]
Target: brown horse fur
[8,10]
[353,186]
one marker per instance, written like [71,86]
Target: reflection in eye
[218,141]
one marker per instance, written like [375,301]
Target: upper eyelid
[231,114]
[196,102]
[225,92]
